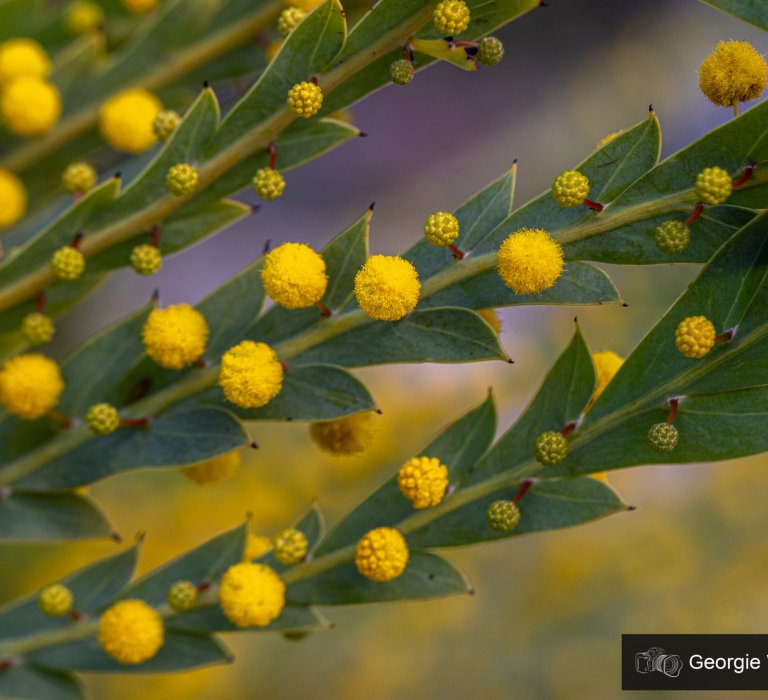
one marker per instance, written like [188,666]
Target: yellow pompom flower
[290,546]
[126,120]
[606,365]
[695,336]
[139,7]
[251,375]
[294,276]
[78,178]
[67,263]
[381,554]
[175,337]
[23,57]
[346,436]
[83,16]
[213,471]
[30,385]
[131,631]
[256,546]
[55,600]
[251,594]
[451,17]
[530,261]
[305,99]
[268,183]
[734,72]
[30,106]
[13,198]
[423,481]
[387,288]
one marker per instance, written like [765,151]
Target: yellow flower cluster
[13,198]
[423,481]
[294,276]
[734,72]
[251,594]
[387,288]
[695,336]
[131,631]
[305,99]
[30,385]
[126,120]
[175,337]
[251,375]
[530,261]
[30,106]
[381,554]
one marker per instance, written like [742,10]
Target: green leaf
[550,504]
[93,587]
[432,335]
[561,399]
[27,681]
[752,11]
[180,650]
[307,50]
[171,440]
[293,618]
[32,517]
[445,50]
[309,392]
[426,576]
[458,446]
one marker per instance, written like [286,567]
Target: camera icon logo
[656,659]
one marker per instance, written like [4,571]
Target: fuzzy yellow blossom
[23,57]
[30,385]
[213,471]
[251,594]
[695,336]
[387,288]
[256,546]
[175,337]
[351,435]
[305,99]
[491,317]
[30,106]
[126,120]
[606,365]
[251,375]
[381,554]
[423,481]
[734,72]
[139,7]
[55,600]
[13,198]
[83,16]
[530,261]
[131,631]
[294,276]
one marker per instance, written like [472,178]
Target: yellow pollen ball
[695,336]
[305,99]
[126,120]
[294,276]
[256,546]
[387,288]
[175,337]
[530,261]
[23,57]
[734,72]
[606,365]
[13,198]
[30,106]
[215,470]
[351,435]
[423,481]
[251,375]
[381,554]
[131,632]
[30,385]
[251,594]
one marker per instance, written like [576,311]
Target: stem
[736,108]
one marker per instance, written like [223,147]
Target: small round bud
[102,419]
[550,448]
[37,328]
[570,189]
[182,179]
[734,72]
[387,288]
[713,185]
[289,19]
[55,600]
[305,99]
[490,51]
[663,437]
[423,481]
[502,516]
[381,554]
[67,263]
[268,183]
[78,178]
[672,236]
[146,259]
[530,261]
[182,596]
[401,72]
[451,17]
[695,336]
[351,435]
[165,123]
[441,229]
[290,546]
[83,16]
